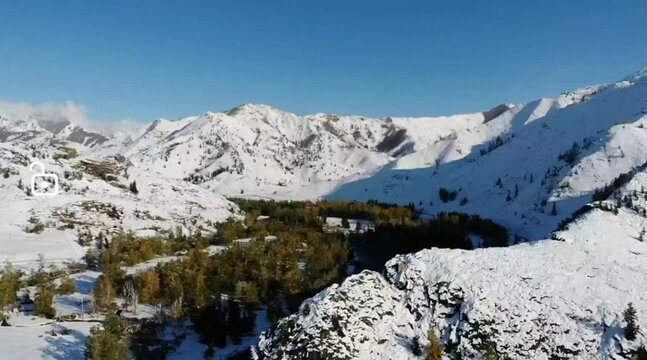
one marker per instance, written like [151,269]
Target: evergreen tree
[516,190]
[9,284]
[67,286]
[435,349]
[43,302]
[554,211]
[108,343]
[490,352]
[630,318]
[234,323]
[133,188]
[344,223]
[416,347]
[92,259]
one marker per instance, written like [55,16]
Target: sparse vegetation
[435,350]
[632,328]
[66,153]
[133,188]
[447,195]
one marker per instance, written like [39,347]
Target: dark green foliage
[639,354]
[632,329]
[621,180]
[344,223]
[67,286]
[43,302]
[445,230]
[149,342]
[133,188]
[452,230]
[92,259]
[492,145]
[9,285]
[576,214]
[416,347]
[447,195]
[109,343]
[491,353]
[392,140]
[570,156]
[210,323]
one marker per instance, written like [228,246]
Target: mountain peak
[637,75]
[254,109]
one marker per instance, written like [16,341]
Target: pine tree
[344,223]
[630,318]
[43,302]
[108,343]
[133,188]
[554,211]
[435,349]
[92,259]
[516,190]
[234,324]
[9,284]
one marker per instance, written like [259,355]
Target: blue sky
[148,59]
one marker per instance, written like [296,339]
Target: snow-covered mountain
[518,166]
[548,299]
[527,167]
[183,168]
[94,193]
[257,150]
[559,297]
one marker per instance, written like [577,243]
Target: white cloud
[66,112]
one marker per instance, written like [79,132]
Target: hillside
[547,299]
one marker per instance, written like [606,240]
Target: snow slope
[514,169]
[94,195]
[539,300]
[257,150]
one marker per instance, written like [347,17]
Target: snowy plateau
[557,292]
